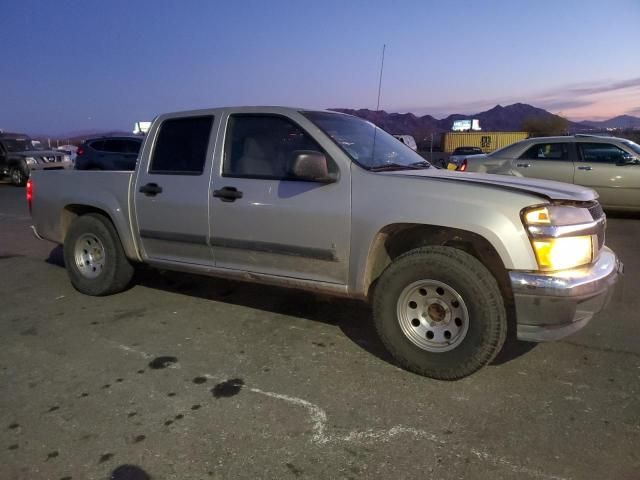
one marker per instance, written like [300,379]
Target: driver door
[603,167]
[274,223]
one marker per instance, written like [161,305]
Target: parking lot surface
[185,377]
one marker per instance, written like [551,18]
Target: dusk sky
[83,65]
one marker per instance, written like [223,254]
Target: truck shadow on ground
[354,318]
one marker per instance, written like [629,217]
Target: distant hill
[508,119]
[621,121]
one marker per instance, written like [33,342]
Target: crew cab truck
[452,264]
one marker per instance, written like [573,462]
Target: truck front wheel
[94,257]
[440,313]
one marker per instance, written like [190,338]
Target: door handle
[151,189]
[523,165]
[585,167]
[227,194]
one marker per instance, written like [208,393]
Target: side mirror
[311,166]
[628,159]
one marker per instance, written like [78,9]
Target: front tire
[440,312]
[94,257]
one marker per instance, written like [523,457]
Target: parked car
[70,150]
[459,154]
[408,140]
[304,199]
[609,165]
[108,153]
[19,157]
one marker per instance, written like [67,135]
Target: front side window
[264,146]
[547,151]
[602,153]
[367,145]
[132,146]
[181,146]
[21,144]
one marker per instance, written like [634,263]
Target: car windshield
[20,144]
[367,145]
[633,146]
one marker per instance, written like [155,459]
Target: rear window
[181,146]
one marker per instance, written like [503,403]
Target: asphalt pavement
[186,377]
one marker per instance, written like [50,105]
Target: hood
[37,153]
[547,189]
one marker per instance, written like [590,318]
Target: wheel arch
[74,210]
[396,239]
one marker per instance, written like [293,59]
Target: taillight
[463,166]
[80,151]
[29,190]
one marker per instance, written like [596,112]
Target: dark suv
[18,157]
[108,153]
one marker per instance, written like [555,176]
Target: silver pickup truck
[452,264]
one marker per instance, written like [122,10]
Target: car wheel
[94,257]
[440,313]
[18,176]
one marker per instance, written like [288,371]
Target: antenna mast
[384,47]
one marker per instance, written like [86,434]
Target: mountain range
[509,118]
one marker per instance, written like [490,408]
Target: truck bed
[58,193]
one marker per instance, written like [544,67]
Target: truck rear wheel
[440,312]
[94,257]
[18,176]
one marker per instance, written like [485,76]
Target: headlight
[562,236]
[561,253]
[30,161]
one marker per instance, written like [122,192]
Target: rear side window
[181,146]
[602,153]
[547,151]
[114,146]
[98,145]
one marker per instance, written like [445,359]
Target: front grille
[51,159]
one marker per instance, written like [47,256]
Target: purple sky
[81,65]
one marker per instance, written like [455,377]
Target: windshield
[20,144]
[357,137]
[633,146]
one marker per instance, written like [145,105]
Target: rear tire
[18,176]
[440,313]
[94,256]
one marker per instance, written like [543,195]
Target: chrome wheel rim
[16,175]
[89,255]
[433,315]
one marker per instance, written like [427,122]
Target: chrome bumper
[552,306]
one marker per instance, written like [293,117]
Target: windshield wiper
[421,164]
[393,166]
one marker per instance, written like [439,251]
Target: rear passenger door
[278,224]
[548,160]
[172,191]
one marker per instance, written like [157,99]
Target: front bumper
[554,305]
